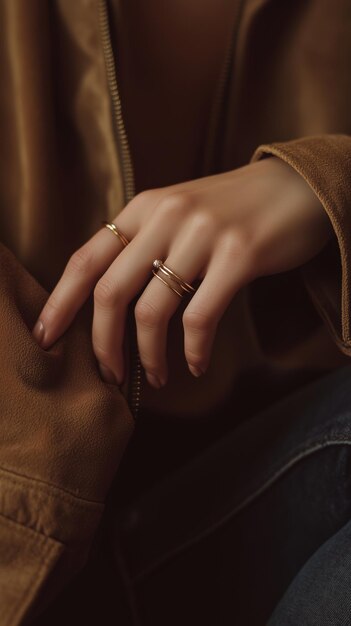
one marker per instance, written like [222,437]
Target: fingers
[156,306]
[82,271]
[226,274]
[124,278]
[186,240]
[87,265]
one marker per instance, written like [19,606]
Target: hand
[225,230]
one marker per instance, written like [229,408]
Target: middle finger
[158,303]
[122,281]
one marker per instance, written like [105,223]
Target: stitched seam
[38,576]
[51,549]
[47,489]
[20,529]
[173,553]
[41,542]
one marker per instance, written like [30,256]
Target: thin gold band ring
[159,265]
[166,283]
[113,228]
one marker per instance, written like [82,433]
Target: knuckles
[102,355]
[195,359]
[106,294]
[235,243]
[238,250]
[81,261]
[197,322]
[144,198]
[176,206]
[204,223]
[147,315]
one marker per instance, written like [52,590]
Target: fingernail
[38,332]
[107,375]
[195,371]
[153,380]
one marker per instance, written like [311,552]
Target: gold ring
[113,228]
[159,265]
[166,283]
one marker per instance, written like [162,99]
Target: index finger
[84,268]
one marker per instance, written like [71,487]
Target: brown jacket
[63,169]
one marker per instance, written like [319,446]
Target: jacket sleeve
[325,163]
[62,434]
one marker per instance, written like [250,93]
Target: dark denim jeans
[256,529]
[253,531]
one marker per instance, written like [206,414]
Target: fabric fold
[26,558]
[63,432]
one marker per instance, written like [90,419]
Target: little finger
[156,306]
[226,274]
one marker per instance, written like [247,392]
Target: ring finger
[159,302]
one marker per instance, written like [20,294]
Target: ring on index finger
[116,231]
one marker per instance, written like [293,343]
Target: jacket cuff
[324,161]
[45,536]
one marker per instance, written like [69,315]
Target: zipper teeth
[126,160]
[128,176]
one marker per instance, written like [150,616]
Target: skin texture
[221,231]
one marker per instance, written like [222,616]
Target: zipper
[134,391]
[216,118]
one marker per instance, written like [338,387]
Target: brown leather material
[62,430]
[26,561]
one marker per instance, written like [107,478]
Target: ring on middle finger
[181,284]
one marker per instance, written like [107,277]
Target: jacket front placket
[132,385]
